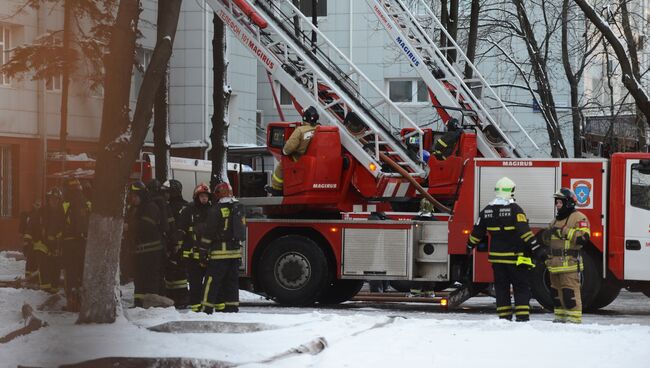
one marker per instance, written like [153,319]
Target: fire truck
[349,210]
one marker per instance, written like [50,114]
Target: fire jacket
[145,228]
[298,142]
[221,236]
[47,230]
[444,146]
[565,251]
[191,226]
[511,238]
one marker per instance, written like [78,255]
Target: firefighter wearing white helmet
[511,244]
[566,236]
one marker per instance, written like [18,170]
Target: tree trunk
[219,131]
[161,144]
[634,59]
[472,37]
[65,75]
[538,64]
[452,28]
[630,82]
[576,117]
[444,21]
[121,140]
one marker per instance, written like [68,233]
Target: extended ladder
[313,73]
[449,92]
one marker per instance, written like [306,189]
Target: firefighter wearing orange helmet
[566,235]
[191,227]
[295,147]
[226,232]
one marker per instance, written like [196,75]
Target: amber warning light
[465,231]
[334,229]
[372,167]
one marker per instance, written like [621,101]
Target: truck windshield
[640,191]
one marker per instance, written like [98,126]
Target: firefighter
[295,147]
[191,227]
[414,147]
[444,146]
[46,232]
[224,236]
[146,232]
[75,229]
[511,244]
[175,273]
[155,190]
[26,220]
[566,235]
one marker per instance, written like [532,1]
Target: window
[142,58]
[5,46]
[6,187]
[285,96]
[408,91]
[640,191]
[307,5]
[54,83]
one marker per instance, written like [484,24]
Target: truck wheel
[340,291]
[609,290]
[541,285]
[294,270]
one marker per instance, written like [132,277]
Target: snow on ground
[9,267]
[360,338]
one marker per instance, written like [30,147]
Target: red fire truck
[319,241]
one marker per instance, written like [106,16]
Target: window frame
[635,169]
[5,44]
[6,181]
[415,98]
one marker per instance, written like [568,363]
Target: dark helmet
[173,186]
[154,186]
[568,199]
[54,192]
[310,116]
[452,125]
[222,190]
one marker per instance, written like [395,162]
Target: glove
[583,240]
[482,247]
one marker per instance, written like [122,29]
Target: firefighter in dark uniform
[175,273]
[147,240]
[511,244]
[566,235]
[167,225]
[191,227]
[225,234]
[24,228]
[295,147]
[77,212]
[46,232]
[444,146]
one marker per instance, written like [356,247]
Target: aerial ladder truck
[319,241]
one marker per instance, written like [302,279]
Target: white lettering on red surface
[518,163]
[324,186]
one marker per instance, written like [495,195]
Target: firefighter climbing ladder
[305,68]
[451,95]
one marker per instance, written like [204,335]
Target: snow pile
[10,268]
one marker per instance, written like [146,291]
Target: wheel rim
[292,270]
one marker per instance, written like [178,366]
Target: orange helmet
[201,188]
[222,190]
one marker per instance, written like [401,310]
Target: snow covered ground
[262,336]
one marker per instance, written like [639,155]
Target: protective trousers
[221,289]
[277,180]
[196,274]
[176,281]
[73,265]
[148,274]
[565,288]
[517,276]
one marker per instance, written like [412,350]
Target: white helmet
[505,188]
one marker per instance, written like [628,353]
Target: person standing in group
[46,232]
[510,247]
[24,228]
[191,227]
[295,147]
[77,211]
[175,272]
[226,231]
[147,239]
[566,236]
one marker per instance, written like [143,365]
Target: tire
[541,285]
[294,270]
[340,291]
[609,290]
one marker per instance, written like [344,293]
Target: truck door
[637,220]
